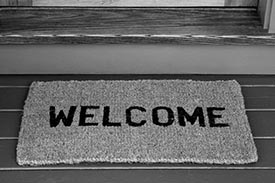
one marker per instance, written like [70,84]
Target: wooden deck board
[138,176]
[117,21]
[127,3]
[259,92]
[132,25]
[146,3]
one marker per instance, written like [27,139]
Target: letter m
[67,121]
[183,115]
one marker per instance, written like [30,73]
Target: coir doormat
[144,121]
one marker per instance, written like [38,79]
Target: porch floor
[259,94]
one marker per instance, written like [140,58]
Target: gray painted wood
[136,59]
[266,151]
[138,176]
[261,122]
[10,123]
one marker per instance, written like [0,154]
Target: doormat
[142,121]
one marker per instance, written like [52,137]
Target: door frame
[266,9]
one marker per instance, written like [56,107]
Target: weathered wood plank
[262,123]
[144,3]
[240,41]
[27,79]
[128,3]
[132,25]
[266,151]
[255,98]
[117,21]
[137,176]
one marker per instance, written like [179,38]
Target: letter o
[170,116]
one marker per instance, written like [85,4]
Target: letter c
[129,116]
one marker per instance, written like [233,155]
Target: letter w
[67,121]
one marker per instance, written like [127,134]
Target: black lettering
[55,120]
[106,122]
[212,116]
[83,116]
[198,113]
[129,117]
[170,116]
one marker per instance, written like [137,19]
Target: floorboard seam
[136,168]
[258,138]
[244,86]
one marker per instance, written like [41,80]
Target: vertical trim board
[272,18]
[264,9]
